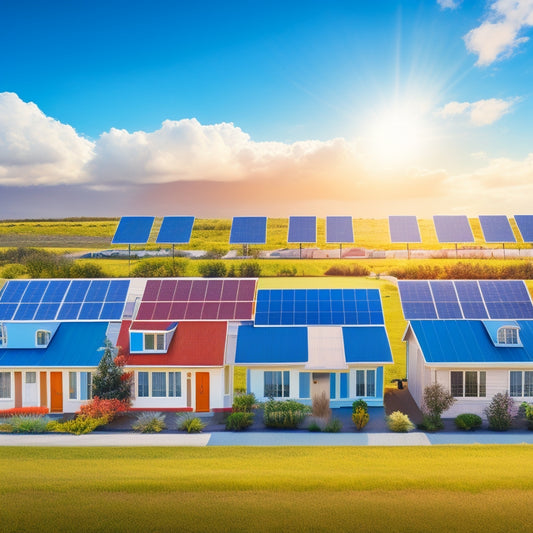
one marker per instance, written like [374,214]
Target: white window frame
[478,384]
[47,336]
[366,371]
[168,387]
[157,337]
[285,384]
[508,336]
[75,386]
[3,335]
[6,387]
[522,384]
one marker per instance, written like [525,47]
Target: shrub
[430,423]
[320,406]
[500,412]
[468,421]
[243,403]
[149,423]
[78,426]
[399,422]
[436,400]
[359,404]
[99,408]
[333,426]
[286,414]
[528,413]
[161,268]
[212,269]
[189,423]
[239,420]
[348,270]
[14,411]
[314,427]
[249,269]
[360,418]
[13,271]
[287,272]
[28,424]
[109,379]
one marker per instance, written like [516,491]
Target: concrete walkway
[126,439]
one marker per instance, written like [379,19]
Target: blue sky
[213,108]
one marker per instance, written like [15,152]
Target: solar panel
[313,307]
[417,300]
[445,299]
[471,300]
[525,226]
[453,228]
[404,229]
[248,230]
[197,299]
[175,230]
[506,299]
[339,229]
[496,228]
[302,229]
[133,230]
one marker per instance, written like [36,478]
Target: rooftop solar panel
[34,292]
[453,228]
[133,230]
[302,229]
[339,229]
[404,229]
[248,230]
[175,230]
[496,228]
[417,300]
[445,297]
[13,291]
[525,226]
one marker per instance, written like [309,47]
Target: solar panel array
[80,299]
[302,229]
[133,230]
[404,229]
[248,230]
[465,299]
[202,299]
[496,228]
[339,229]
[453,228]
[175,230]
[313,307]
[525,226]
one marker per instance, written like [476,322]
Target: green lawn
[462,489]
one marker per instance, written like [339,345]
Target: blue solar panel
[302,229]
[453,228]
[34,292]
[248,230]
[47,311]
[97,291]
[496,228]
[69,311]
[417,300]
[26,311]
[77,290]
[339,229]
[315,307]
[90,311]
[56,290]
[470,299]
[445,298]
[13,291]
[133,230]
[404,229]
[118,290]
[175,230]
[112,311]
[7,311]
[525,226]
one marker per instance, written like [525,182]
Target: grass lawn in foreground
[456,488]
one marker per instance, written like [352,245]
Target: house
[472,358]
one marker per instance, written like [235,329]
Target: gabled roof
[193,344]
[367,344]
[467,341]
[75,344]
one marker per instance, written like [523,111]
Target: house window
[86,386]
[174,384]
[72,388]
[154,342]
[42,337]
[365,382]
[159,384]
[468,384]
[276,384]
[3,335]
[521,383]
[82,389]
[142,385]
[5,385]
[31,377]
[508,335]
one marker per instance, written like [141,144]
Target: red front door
[56,392]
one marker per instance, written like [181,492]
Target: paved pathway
[124,439]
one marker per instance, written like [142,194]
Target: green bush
[78,426]
[360,418]
[28,424]
[288,414]
[348,270]
[239,420]
[333,426]
[500,412]
[287,272]
[243,403]
[436,400]
[399,422]
[149,423]
[249,269]
[212,269]
[527,409]
[468,421]
[431,423]
[314,427]
[161,268]
[359,404]
[190,424]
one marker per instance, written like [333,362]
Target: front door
[18,389]
[320,384]
[56,392]
[202,392]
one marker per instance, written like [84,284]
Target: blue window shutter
[305,384]
[136,341]
[379,382]
[344,385]
[332,383]
[248,391]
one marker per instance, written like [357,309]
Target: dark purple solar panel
[227,311]
[183,290]
[166,292]
[243,310]
[210,311]
[161,310]
[151,290]
[178,310]
[198,291]
[229,292]
[246,289]
[214,290]
[194,310]
[146,310]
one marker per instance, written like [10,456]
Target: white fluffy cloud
[480,113]
[36,149]
[499,34]
[449,4]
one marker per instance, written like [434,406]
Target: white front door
[31,393]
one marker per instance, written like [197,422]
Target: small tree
[500,412]
[436,400]
[110,381]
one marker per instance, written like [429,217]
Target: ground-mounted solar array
[314,307]
[81,299]
[133,230]
[525,226]
[175,230]
[404,229]
[465,299]
[248,230]
[496,228]
[339,229]
[197,299]
[302,229]
[453,228]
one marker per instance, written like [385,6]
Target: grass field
[415,489]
